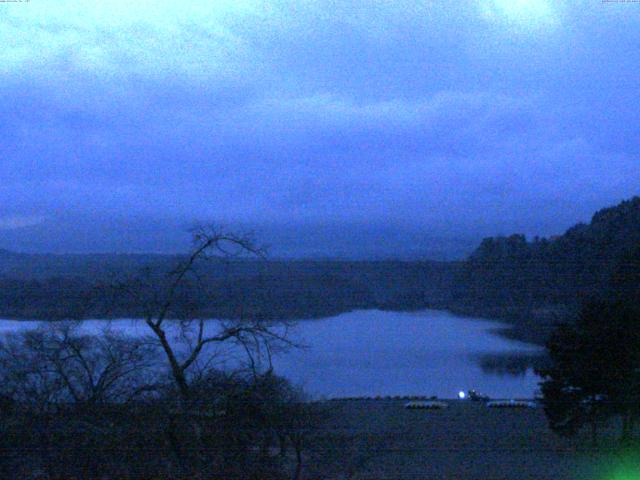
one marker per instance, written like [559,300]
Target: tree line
[594,370]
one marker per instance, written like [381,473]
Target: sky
[329,128]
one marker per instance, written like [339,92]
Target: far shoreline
[508,330]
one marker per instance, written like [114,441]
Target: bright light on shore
[461,395]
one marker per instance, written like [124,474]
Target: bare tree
[57,364]
[172,305]
[66,387]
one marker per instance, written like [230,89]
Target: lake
[371,352]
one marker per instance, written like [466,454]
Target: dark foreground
[379,439]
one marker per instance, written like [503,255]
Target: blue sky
[330,128]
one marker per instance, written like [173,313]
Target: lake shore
[375,439]
[525,324]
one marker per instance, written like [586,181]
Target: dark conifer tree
[594,371]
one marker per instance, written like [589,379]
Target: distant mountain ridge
[47,265]
[532,284]
[50,287]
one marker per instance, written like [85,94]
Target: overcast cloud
[424,124]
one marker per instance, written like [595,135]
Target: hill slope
[539,282]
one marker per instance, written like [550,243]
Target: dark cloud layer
[331,128]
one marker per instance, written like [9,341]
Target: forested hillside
[542,281]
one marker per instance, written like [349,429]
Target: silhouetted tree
[180,295]
[625,280]
[67,392]
[173,308]
[595,369]
[76,405]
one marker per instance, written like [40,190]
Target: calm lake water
[369,353]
